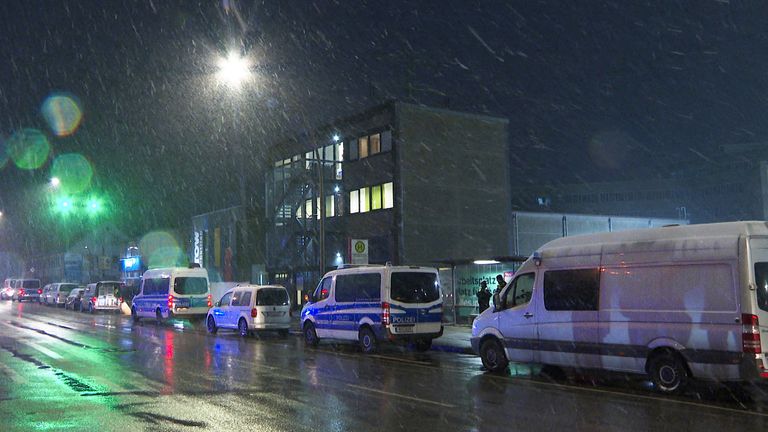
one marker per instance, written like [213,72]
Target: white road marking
[43,350]
[401,396]
[12,374]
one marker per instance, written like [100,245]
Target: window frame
[512,288]
[593,307]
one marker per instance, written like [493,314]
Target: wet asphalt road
[61,370]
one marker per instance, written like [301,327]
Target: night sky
[594,90]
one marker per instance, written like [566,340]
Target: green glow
[29,149]
[73,171]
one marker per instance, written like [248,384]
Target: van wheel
[159,316]
[242,327]
[367,340]
[211,325]
[492,355]
[422,345]
[134,315]
[667,371]
[310,335]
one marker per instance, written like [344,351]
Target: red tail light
[21,292]
[385,313]
[39,291]
[210,303]
[750,334]
[120,299]
[254,313]
[93,299]
[170,302]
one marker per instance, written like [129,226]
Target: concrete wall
[453,184]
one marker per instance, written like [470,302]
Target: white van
[249,308]
[675,303]
[101,296]
[374,303]
[56,293]
[173,291]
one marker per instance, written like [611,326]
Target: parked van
[6,293]
[252,307]
[27,290]
[675,303]
[57,293]
[104,295]
[175,291]
[376,303]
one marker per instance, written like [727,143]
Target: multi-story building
[397,183]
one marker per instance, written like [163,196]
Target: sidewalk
[455,338]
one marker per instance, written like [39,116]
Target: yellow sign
[360,247]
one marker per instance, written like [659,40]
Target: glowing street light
[234,70]
[55,182]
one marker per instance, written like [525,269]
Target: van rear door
[416,302]
[759,271]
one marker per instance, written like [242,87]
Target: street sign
[358,251]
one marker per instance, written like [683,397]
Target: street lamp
[55,182]
[234,70]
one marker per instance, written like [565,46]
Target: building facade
[398,183]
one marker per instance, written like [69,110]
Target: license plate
[182,303]
[274,314]
[403,329]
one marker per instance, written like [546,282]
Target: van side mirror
[497,302]
[217,304]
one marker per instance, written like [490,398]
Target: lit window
[362,145]
[328,154]
[389,198]
[317,208]
[365,203]
[330,208]
[375,144]
[300,212]
[308,208]
[376,197]
[340,152]
[354,202]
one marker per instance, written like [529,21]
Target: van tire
[493,356]
[422,345]
[668,372]
[310,335]
[367,340]
[159,316]
[210,325]
[242,327]
[134,315]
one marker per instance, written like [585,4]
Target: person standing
[500,284]
[483,296]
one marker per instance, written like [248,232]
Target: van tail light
[170,302]
[39,291]
[254,312]
[210,302]
[120,300]
[385,314]
[21,292]
[93,299]
[750,334]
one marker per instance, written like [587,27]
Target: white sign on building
[358,251]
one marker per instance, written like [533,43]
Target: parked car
[43,297]
[371,304]
[6,293]
[27,290]
[674,303]
[73,300]
[176,291]
[102,295]
[56,294]
[250,308]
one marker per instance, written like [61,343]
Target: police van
[674,303]
[375,303]
[175,291]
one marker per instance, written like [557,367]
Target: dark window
[520,290]
[415,287]
[571,290]
[156,286]
[190,285]
[761,282]
[109,289]
[246,300]
[323,290]
[272,297]
[236,298]
[148,286]
[30,284]
[66,288]
[358,287]
[225,299]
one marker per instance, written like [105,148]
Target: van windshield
[31,284]
[272,297]
[190,285]
[761,282]
[415,287]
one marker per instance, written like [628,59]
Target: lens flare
[29,149]
[162,249]
[63,114]
[73,171]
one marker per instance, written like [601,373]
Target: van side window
[521,290]
[236,298]
[246,299]
[571,290]
[225,299]
[358,287]
[323,289]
